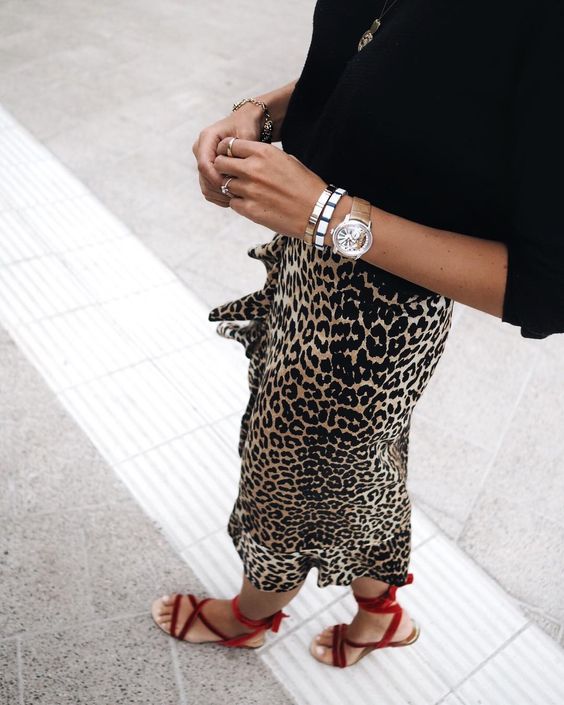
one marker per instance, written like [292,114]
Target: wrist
[277,101]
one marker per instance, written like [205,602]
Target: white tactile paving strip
[130,353]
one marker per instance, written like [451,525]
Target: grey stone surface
[523,550]
[548,625]
[124,94]
[9,689]
[471,400]
[45,579]
[117,661]
[42,452]
[445,471]
[199,665]
[124,89]
[130,562]
[529,466]
[80,564]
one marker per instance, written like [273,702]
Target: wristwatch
[352,237]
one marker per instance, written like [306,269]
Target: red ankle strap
[272,622]
[383,603]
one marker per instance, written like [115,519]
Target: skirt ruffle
[256,309]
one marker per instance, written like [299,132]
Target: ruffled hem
[256,306]
[336,565]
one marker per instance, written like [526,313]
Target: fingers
[204,149]
[212,194]
[215,167]
[241,148]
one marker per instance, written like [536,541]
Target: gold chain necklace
[368,36]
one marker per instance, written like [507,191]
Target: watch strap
[360,210]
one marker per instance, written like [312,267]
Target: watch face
[352,238]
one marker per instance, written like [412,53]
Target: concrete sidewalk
[129,355]
[118,92]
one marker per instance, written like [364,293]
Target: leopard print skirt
[336,364]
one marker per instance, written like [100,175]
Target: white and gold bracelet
[326,215]
[316,212]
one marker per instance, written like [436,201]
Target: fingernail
[319,650]
[166,597]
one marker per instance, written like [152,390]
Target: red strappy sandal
[251,640]
[383,603]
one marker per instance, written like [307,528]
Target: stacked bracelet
[326,215]
[268,125]
[316,212]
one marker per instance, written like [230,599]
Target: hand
[245,123]
[271,188]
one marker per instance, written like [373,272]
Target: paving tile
[502,535]
[17,241]
[223,390]
[549,626]
[131,411]
[45,582]
[449,589]
[215,675]
[528,468]
[452,699]
[68,225]
[17,146]
[162,319]
[102,137]
[78,346]
[39,445]
[116,268]
[135,180]
[9,689]
[447,524]
[466,405]
[445,471]
[422,528]
[36,183]
[528,671]
[113,662]
[379,677]
[37,288]
[129,560]
[498,353]
[189,484]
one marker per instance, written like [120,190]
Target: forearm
[277,102]
[467,269]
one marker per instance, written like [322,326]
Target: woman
[445,125]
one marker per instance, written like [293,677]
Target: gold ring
[229,145]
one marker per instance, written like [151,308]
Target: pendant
[368,36]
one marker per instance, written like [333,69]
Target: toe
[322,653]
[325,637]
[160,609]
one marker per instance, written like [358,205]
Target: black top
[452,117]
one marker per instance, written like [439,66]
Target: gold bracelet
[268,125]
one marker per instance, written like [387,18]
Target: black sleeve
[534,295]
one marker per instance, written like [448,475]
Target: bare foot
[217,612]
[366,626]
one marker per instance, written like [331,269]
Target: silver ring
[224,188]
[229,145]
